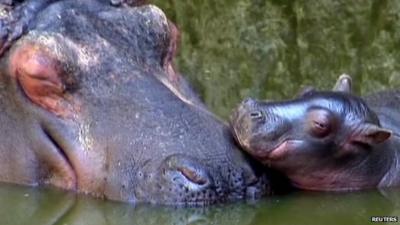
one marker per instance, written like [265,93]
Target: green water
[265,49]
[22,205]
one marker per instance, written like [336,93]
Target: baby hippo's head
[319,140]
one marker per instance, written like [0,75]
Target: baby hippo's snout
[249,107]
[245,120]
[260,127]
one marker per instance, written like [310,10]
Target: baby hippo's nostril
[256,115]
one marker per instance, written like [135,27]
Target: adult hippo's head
[89,101]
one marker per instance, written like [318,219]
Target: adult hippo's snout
[185,180]
[90,102]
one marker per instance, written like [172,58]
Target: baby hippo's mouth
[279,152]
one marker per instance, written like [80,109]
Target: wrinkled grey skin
[325,140]
[135,131]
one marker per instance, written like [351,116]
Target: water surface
[28,206]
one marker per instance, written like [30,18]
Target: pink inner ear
[380,135]
[371,134]
[38,74]
[367,134]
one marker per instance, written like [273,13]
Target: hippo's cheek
[41,77]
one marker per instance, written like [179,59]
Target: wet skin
[325,140]
[90,102]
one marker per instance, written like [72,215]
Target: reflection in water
[22,205]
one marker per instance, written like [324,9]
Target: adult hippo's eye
[320,123]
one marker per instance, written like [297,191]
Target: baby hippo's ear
[343,84]
[371,134]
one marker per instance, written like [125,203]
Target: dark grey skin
[90,102]
[325,140]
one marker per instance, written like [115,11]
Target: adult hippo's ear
[42,78]
[343,84]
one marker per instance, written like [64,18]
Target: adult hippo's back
[89,102]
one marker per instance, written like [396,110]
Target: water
[31,206]
[265,49]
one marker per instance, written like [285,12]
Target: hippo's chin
[315,186]
[327,180]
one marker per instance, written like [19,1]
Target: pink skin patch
[38,73]
[280,152]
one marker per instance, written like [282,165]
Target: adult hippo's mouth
[91,102]
[65,176]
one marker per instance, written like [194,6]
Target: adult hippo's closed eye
[90,102]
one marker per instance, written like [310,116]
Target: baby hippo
[325,140]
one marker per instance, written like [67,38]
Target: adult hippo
[90,102]
[330,141]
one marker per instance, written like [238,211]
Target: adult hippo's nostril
[190,181]
[193,175]
[187,172]
[181,180]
